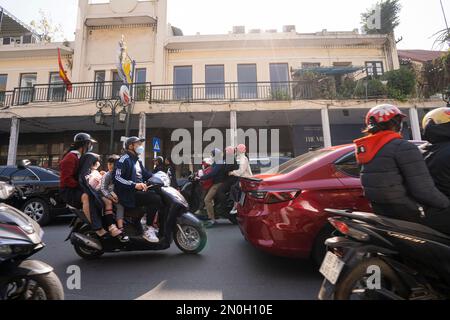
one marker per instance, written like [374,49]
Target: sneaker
[233,212]
[209,224]
[150,235]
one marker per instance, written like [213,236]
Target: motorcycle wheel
[36,287]
[354,282]
[84,252]
[190,239]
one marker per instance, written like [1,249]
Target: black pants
[72,197]
[152,203]
[438,220]
[225,188]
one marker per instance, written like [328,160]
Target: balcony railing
[191,93]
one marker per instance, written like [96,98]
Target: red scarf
[368,147]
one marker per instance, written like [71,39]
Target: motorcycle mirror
[23,164]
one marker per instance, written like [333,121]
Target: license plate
[242,200]
[332,267]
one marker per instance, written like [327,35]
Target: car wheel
[38,210]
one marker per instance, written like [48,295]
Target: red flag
[63,73]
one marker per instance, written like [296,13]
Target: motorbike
[192,191]
[189,234]
[20,238]
[378,258]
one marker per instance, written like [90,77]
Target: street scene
[224,151]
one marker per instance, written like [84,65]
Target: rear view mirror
[23,164]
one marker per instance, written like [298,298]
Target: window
[183,83]
[99,86]
[279,78]
[374,68]
[117,84]
[3,81]
[215,81]
[310,65]
[18,175]
[342,64]
[56,90]
[27,81]
[140,78]
[247,79]
[348,165]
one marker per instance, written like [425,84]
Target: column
[415,124]
[13,141]
[233,128]
[326,127]
[142,132]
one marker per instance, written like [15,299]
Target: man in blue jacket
[129,185]
[218,175]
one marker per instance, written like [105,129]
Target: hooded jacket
[395,177]
[437,155]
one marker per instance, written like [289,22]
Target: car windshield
[299,161]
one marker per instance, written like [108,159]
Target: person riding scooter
[217,174]
[229,180]
[436,126]
[129,182]
[394,175]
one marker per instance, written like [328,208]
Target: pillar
[326,127]
[142,132]
[13,141]
[415,124]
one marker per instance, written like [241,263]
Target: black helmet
[132,140]
[84,137]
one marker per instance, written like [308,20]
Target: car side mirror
[23,164]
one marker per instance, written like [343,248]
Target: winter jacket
[244,171]
[395,177]
[217,173]
[437,155]
[172,173]
[69,170]
[125,179]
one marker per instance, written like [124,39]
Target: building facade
[243,79]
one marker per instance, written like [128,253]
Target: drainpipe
[13,141]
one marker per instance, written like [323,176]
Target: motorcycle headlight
[5,250]
[20,249]
[6,190]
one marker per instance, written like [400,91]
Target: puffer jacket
[437,155]
[395,177]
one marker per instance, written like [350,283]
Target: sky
[420,19]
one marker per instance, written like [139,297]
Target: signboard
[156,145]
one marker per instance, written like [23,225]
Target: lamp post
[99,117]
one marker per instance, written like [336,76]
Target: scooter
[192,191]
[378,258]
[189,234]
[20,238]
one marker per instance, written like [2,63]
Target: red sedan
[282,212]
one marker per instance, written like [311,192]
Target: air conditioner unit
[289,28]
[272,31]
[239,29]
[255,31]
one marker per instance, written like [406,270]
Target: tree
[390,17]
[401,83]
[46,29]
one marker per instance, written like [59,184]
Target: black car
[40,187]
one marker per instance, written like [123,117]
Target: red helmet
[383,113]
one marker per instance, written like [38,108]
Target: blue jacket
[125,179]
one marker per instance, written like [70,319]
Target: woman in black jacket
[394,175]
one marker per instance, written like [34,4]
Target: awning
[329,71]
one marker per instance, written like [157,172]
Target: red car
[282,212]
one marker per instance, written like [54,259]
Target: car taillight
[343,228]
[271,197]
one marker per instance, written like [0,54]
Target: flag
[63,73]
[124,63]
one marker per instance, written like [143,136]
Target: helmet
[159,159]
[438,116]
[132,140]
[207,162]
[84,137]
[230,150]
[241,148]
[382,114]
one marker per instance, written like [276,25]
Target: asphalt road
[229,268]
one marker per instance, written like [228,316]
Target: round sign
[123,6]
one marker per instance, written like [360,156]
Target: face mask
[140,150]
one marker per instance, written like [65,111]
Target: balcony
[189,93]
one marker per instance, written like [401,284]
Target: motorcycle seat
[389,222]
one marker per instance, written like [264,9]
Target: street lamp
[99,117]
